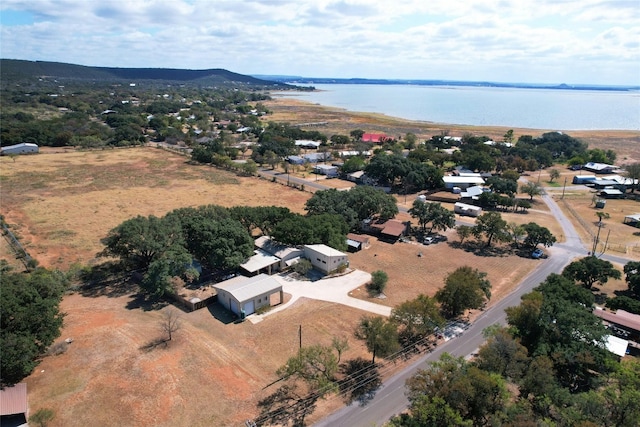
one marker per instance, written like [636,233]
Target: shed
[244,295]
[317,157]
[13,405]
[471,193]
[304,143]
[22,148]
[355,176]
[465,209]
[325,258]
[583,179]
[611,193]
[356,242]
[633,220]
[617,346]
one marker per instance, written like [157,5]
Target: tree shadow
[222,314]
[286,406]
[361,381]
[153,344]
[107,279]
[140,301]
[481,249]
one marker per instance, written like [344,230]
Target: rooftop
[244,288]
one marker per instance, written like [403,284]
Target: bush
[58,348]
[378,282]
[302,267]
[624,303]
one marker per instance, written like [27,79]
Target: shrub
[378,282]
[302,267]
[58,348]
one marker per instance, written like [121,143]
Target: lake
[546,109]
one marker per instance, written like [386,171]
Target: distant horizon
[281,77]
[590,42]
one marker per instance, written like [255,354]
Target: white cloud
[581,41]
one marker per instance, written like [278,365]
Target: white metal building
[325,258]
[23,148]
[244,295]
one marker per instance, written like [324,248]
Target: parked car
[429,240]
[537,253]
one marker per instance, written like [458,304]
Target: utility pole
[563,187]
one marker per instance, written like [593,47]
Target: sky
[516,41]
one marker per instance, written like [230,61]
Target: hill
[16,70]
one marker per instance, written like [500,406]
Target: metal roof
[13,400]
[244,290]
[260,260]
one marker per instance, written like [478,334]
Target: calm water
[483,106]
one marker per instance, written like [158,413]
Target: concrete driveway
[335,289]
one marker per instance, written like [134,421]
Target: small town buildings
[317,157]
[621,323]
[599,168]
[611,193]
[462,182]
[22,148]
[244,295]
[471,193]
[328,170]
[13,405]
[324,258]
[465,209]
[355,176]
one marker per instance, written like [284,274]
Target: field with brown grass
[213,373]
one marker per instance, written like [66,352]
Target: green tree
[503,354]
[532,189]
[140,241]
[554,174]
[632,171]
[464,232]
[516,231]
[417,318]
[440,218]
[589,271]
[491,225]
[632,276]
[30,321]
[502,185]
[426,410]
[465,288]
[378,283]
[537,235]
[315,365]
[380,336]
[302,267]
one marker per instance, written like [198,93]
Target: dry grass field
[62,204]
[213,373]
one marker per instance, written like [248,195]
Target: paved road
[391,400]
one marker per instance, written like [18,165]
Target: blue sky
[536,41]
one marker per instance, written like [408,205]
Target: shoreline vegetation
[286,108]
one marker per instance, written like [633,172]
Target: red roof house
[378,138]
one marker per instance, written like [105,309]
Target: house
[357,242]
[328,170]
[621,323]
[390,230]
[244,295]
[378,138]
[600,184]
[296,160]
[462,182]
[22,148]
[465,209]
[325,258]
[303,143]
[317,157]
[288,255]
[13,405]
[355,176]
[599,167]
[261,262]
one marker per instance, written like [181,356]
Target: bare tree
[170,322]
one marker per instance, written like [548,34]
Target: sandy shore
[340,121]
